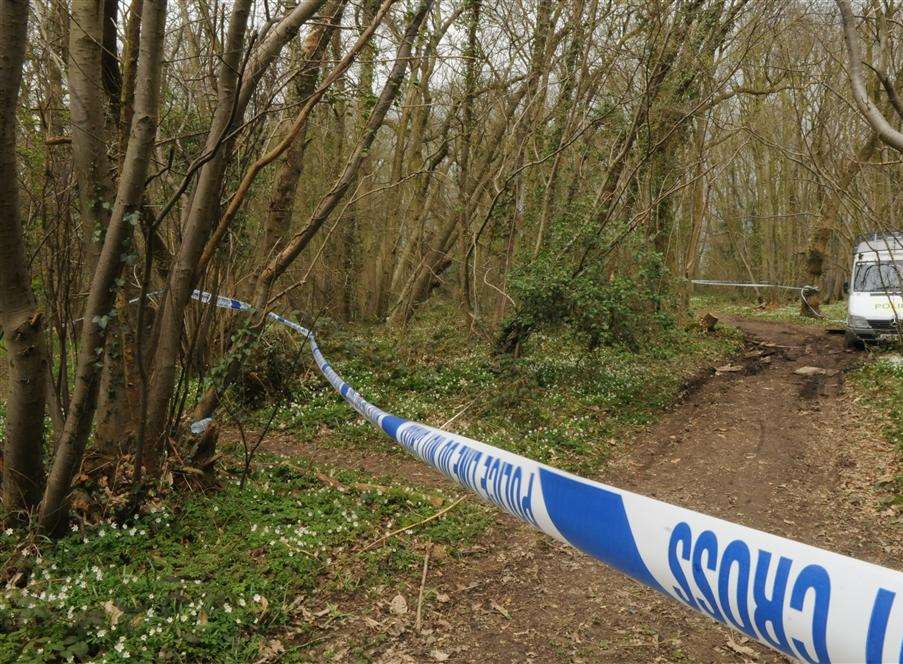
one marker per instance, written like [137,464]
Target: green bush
[269,366]
[603,310]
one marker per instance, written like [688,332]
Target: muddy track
[761,446]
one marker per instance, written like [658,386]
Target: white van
[875,305]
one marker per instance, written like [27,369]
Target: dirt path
[763,447]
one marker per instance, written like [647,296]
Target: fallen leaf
[398,606]
[271,649]
[815,371]
[80,502]
[439,656]
[729,368]
[742,650]
[442,597]
[202,617]
[112,611]
[501,609]
[370,622]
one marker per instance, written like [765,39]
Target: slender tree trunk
[697,209]
[364,103]
[95,84]
[129,65]
[828,223]
[471,74]
[202,213]
[562,117]
[424,278]
[337,144]
[109,60]
[88,113]
[22,322]
[419,211]
[282,201]
[407,140]
[71,445]
[327,204]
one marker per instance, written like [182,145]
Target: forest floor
[320,556]
[762,446]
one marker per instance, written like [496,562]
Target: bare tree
[870,111]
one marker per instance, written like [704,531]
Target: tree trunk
[88,112]
[465,189]
[351,251]
[327,204]
[22,323]
[129,65]
[563,111]
[828,223]
[109,60]
[71,445]
[697,209]
[282,201]
[202,213]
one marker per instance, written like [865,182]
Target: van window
[878,277]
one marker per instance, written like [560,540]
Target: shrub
[270,368]
[621,309]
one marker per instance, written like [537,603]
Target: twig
[413,525]
[330,482]
[418,622]
[459,413]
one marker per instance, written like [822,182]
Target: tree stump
[708,323]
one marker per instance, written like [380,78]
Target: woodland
[381,171]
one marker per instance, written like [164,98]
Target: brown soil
[764,447]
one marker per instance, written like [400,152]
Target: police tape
[808,603]
[804,292]
[738,284]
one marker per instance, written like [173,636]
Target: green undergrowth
[216,576]
[558,403]
[213,577]
[787,312]
[880,384]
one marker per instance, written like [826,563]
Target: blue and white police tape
[740,284]
[811,604]
[804,291]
